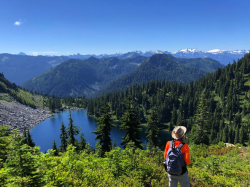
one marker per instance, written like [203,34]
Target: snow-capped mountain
[238,52]
[215,51]
[222,56]
[150,53]
[187,51]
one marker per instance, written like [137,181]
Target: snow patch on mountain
[187,51]
[215,51]
[138,51]
[238,52]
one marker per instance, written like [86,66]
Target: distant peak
[188,50]
[138,51]
[119,53]
[238,52]
[21,53]
[215,51]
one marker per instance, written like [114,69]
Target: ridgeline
[93,76]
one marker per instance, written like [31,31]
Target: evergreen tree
[63,137]
[131,125]
[212,136]
[72,130]
[179,120]
[25,138]
[54,148]
[230,138]
[200,128]
[4,142]
[171,126]
[22,164]
[89,149]
[104,127]
[82,142]
[174,116]
[225,134]
[241,135]
[77,145]
[153,129]
[98,149]
[114,144]
[29,140]
[236,137]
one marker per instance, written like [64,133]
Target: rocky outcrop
[71,108]
[18,116]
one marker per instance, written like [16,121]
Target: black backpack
[174,163]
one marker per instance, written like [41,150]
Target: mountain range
[167,67]
[20,68]
[224,57]
[87,77]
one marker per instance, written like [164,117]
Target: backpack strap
[180,145]
[171,144]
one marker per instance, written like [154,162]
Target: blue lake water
[46,132]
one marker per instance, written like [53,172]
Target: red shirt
[184,150]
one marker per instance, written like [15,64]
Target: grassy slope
[20,95]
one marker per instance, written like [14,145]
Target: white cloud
[18,23]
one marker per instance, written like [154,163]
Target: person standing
[178,135]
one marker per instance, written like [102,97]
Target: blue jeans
[183,180]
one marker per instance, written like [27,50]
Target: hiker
[172,148]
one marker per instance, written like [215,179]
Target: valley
[94,93]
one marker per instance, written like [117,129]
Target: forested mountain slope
[206,64]
[158,67]
[81,77]
[222,98]
[86,77]
[20,68]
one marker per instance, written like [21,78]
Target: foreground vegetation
[214,165]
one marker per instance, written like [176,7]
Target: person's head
[179,132]
[182,138]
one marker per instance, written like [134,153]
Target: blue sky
[63,27]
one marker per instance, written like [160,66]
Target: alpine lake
[46,132]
